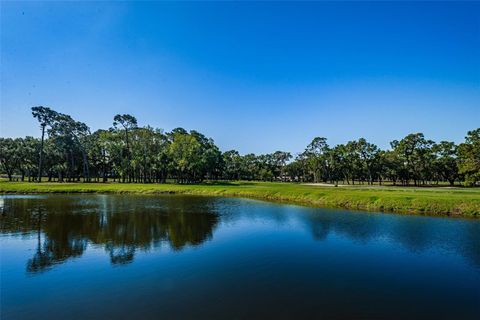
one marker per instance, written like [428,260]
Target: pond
[185,257]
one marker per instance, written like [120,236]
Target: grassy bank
[446,201]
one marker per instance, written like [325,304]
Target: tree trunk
[86,172]
[41,155]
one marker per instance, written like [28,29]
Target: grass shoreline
[428,201]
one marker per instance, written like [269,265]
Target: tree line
[125,152]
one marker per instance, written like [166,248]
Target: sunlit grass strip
[433,201]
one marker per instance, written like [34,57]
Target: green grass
[432,201]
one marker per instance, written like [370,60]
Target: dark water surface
[179,257]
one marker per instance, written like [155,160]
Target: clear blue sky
[256,77]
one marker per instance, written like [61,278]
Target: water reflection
[415,233]
[65,226]
[284,262]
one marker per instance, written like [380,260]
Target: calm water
[178,257]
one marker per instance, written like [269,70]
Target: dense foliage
[129,153]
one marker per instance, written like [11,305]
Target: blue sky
[256,77]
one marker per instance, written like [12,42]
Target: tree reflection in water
[64,226]
[415,233]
